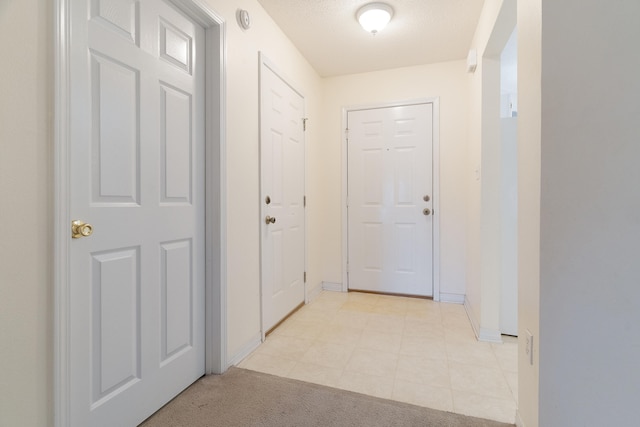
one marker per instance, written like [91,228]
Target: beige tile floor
[406,349]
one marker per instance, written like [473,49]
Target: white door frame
[215,194]
[436,186]
[265,62]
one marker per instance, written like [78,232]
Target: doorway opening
[509,185]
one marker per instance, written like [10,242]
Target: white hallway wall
[243,177]
[26,304]
[474,248]
[578,269]
[484,263]
[446,81]
[590,213]
[529,125]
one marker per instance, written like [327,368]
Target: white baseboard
[246,350]
[490,335]
[332,286]
[452,298]
[313,293]
[519,422]
[482,334]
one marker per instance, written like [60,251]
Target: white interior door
[282,219]
[390,199]
[137,175]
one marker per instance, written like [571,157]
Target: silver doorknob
[426,211]
[270,220]
[80,229]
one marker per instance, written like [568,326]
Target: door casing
[215,195]
[436,186]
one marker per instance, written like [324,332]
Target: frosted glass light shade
[373,17]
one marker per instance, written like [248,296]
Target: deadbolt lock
[426,198]
[267,200]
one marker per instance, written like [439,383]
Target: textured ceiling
[420,32]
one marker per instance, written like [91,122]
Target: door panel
[116,131]
[176,166]
[282,180]
[115,321]
[177,291]
[121,17]
[389,174]
[137,175]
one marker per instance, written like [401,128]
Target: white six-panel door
[390,198]
[282,197]
[137,176]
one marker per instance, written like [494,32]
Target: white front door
[282,221]
[390,198]
[137,176]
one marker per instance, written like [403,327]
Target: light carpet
[245,398]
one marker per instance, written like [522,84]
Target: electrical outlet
[529,346]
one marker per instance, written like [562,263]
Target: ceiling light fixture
[373,17]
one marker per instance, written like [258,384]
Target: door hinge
[347,201]
[347,267]
[304,123]
[304,201]
[305,277]
[346,134]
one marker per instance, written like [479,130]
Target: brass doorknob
[80,229]
[270,220]
[426,211]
